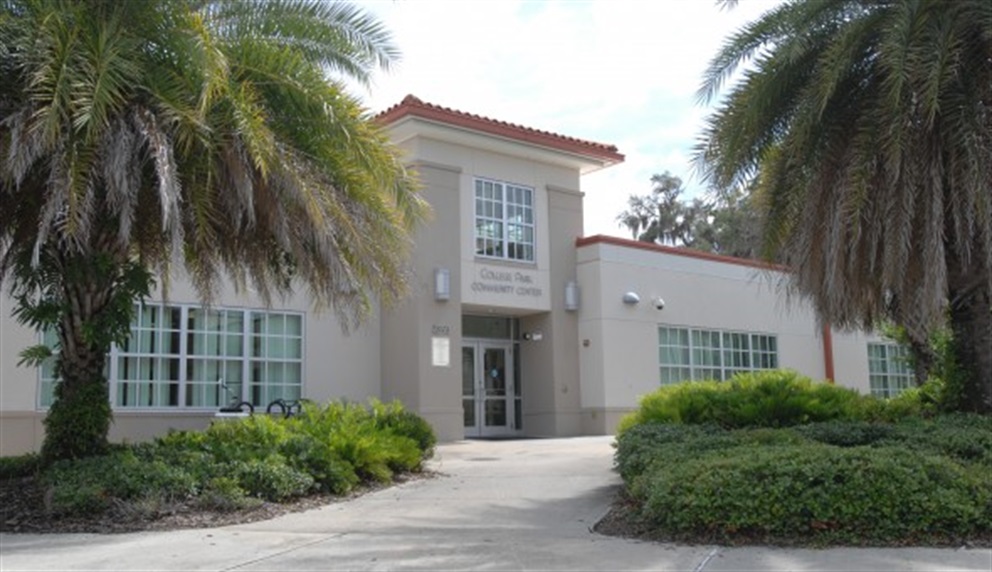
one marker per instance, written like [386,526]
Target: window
[889,371]
[198,358]
[692,354]
[504,220]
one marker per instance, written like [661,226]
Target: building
[517,324]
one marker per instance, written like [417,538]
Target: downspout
[828,352]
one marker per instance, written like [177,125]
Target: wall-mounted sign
[440,351]
[507,282]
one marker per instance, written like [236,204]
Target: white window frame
[185,356]
[707,351]
[508,213]
[890,373]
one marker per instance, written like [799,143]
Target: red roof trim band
[413,106]
[688,252]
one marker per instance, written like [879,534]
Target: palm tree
[203,133]
[868,125]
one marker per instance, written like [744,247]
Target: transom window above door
[504,220]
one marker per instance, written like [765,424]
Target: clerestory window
[504,220]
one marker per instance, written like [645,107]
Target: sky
[622,72]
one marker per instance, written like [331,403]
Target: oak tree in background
[204,133]
[867,125]
[728,225]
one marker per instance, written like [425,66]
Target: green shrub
[318,458]
[19,466]
[817,493]
[394,418]
[271,479]
[244,439]
[642,445]
[225,494]
[855,482]
[963,436]
[353,436]
[375,455]
[235,462]
[91,484]
[774,398]
[923,401]
[846,433]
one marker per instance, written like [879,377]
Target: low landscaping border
[863,472]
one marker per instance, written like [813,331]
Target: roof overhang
[412,118]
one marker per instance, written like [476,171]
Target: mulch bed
[24,510]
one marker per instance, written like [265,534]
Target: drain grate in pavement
[483,459]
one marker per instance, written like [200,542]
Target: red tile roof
[678,251]
[413,106]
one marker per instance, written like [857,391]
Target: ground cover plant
[774,458]
[234,465]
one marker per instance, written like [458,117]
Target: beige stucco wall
[335,366]
[449,164]
[408,372]
[551,366]
[850,350]
[18,387]
[619,342]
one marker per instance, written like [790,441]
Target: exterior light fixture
[572,296]
[631,298]
[442,284]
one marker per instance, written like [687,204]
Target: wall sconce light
[535,336]
[572,296]
[442,284]
[631,298]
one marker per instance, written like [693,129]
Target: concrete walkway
[499,505]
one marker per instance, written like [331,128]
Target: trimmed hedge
[854,495]
[836,482]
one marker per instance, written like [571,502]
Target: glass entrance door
[488,388]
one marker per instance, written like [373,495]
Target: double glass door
[488,389]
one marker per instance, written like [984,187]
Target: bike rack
[236,409]
[286,408]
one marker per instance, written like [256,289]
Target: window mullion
[750,351]
[719,353]
[692,350]
[112,377]
[245,355]
[183,353]
[504,221]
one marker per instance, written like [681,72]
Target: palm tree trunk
[924,358]
[971,324]
[79,419]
